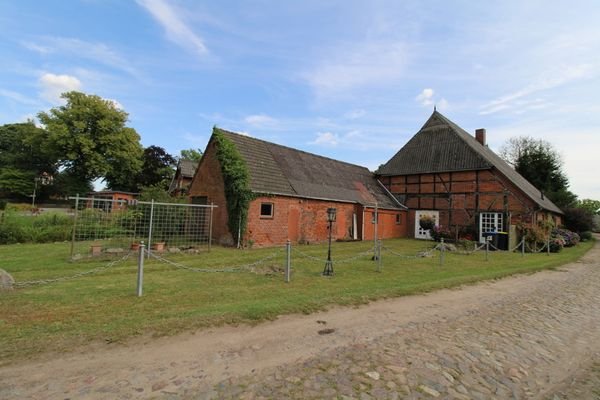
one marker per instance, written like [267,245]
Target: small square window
[266,210]
[398,219]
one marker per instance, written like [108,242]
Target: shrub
[578,220]
[585,236]
[15,228]
[556,244]
[438,233]
[570,238]
[3,204]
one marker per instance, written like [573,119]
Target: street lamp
[328,271]
[45,179]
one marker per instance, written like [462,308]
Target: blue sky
[351,80]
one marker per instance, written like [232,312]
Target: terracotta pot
[158,247]
[135,246]
[96,249]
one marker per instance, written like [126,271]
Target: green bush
[585,236]
[15,228]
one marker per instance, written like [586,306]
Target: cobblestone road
[527,337]
[539,344]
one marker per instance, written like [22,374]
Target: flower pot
[96,249]
[159,247]
[135,246]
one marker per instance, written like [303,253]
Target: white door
[489,222]
[421,233]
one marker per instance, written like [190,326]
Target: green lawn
[104,307]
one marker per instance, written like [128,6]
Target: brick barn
[293,190]
[446,173]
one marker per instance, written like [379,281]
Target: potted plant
[426,222]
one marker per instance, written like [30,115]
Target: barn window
[266,210]
[398,219]
[203,200]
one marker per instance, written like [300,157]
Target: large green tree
[90,140]
[538,162]
[158,168]
[23,158]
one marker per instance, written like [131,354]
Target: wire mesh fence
[108,227]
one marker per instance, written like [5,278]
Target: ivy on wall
[237,184]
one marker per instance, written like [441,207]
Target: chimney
[480,136]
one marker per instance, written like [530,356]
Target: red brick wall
[387,226]
[208,182]
[460,196]
[300,220]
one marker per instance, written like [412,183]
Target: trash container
[502,241]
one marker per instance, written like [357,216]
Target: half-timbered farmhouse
[453,176]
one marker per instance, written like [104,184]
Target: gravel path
[526,337]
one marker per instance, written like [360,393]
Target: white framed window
[398,219]
[266,210]
[489,222]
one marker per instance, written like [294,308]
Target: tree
[592,206]
[89,139]
[158,167]
[23,157]
[538,162]
[578,220]
[191,154]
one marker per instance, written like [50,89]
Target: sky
[350,80]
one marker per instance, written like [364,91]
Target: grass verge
[60,316]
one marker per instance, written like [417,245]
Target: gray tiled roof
[276,169]
[188,168]
[443,146]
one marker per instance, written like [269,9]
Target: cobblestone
[515,347]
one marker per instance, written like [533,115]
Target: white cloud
[176,29]
[260,120]
[52,86]
[327,139]
[548,80]
[425,97]
[97,52]
[36,47]
[18,97]
[357,66]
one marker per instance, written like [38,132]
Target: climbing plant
[237,184]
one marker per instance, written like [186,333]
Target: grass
[103,307]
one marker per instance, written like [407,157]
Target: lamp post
[328,271]
[44,179]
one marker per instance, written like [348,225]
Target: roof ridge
[291,148]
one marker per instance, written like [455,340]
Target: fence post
[487,247]
[288,260]
[210,225]
[74,224]
[523,247]
[379,256]
[140,274]
[442,250]
[150,227]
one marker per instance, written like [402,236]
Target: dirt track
[528,336]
